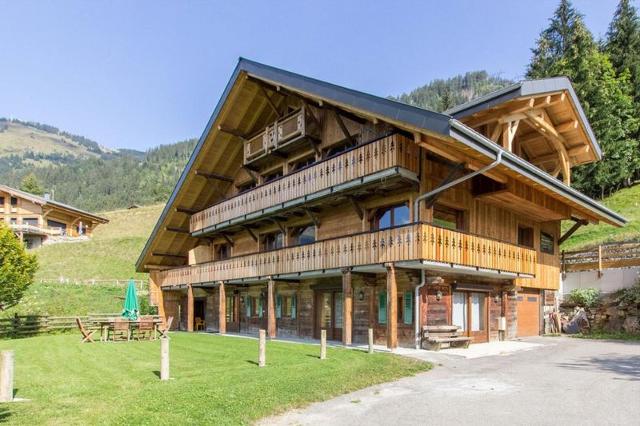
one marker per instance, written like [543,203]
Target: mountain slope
[627,203]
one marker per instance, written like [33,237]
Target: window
[301,164]
[449,218]
[285,306]
[525,236]
[382,307]
[33,221]
[303,235]
[14,201]
[13,221]
[253,306]
[546,243]
[223,251]
[246,187]
[230,309]
[2,201]
[407,308]
[272,176]
[388,217]
[272,241]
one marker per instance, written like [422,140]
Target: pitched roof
[527,88]
[36,199]
[394,112]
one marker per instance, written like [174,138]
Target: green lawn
[625,202]
[214,379]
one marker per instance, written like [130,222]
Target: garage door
[528,313]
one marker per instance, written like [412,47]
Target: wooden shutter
[294,306]
[278,306]
[408,307]
[382,307]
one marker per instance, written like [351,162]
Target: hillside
[627,203]
[110,254]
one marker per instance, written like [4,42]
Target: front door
[329,314]
[469,312]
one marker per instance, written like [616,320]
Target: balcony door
[329,314]
[470,313]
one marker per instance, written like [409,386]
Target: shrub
[17,268]
[585,297]
[146,308]
[631,295]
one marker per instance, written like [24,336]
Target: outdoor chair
[86,335]
[145,328]
[200,324]
[121,330]
[164,331]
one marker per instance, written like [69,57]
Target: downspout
[416,203]
[416,309]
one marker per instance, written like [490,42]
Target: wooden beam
[232,132]
[343,127]
[449,178]
[185,210]
[279,225]
[392,307]
[269,100]
[313,217]
[177,230]
[222,308]
[497,131]
[347,292]
[214,176]
[571,230]
[572,152]
[567,126]
[356,206]
[190,308]
[509,130]
[558,141]
[251,233]
[227,237]
[177,256]
[271,309]
[252,173]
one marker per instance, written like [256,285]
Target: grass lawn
[605,335]
[215,379]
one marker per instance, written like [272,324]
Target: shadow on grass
[157,373]
[252,362]
[626,366]
[5,413]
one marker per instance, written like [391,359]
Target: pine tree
[567,48]
[31,185]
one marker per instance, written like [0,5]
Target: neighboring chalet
[37,220]
[309,206]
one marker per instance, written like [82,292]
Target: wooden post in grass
[323,344]
[164,358]
[6,376]
[371,340]
[262,356]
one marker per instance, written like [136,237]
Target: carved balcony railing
[365,160]
[414,242]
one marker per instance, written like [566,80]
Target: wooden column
[271,309]
[222,309]
[347,305]
[392,307]
[189,308]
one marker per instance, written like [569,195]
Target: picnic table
[109,324]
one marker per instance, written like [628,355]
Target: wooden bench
[435,335]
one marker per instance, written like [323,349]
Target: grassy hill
[110,254]
[627,203]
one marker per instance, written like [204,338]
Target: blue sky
[137,74]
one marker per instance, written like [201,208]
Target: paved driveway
[565,381]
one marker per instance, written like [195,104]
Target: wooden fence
[605,256]
[31,325]
[141,285]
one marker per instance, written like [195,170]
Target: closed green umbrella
[131,308]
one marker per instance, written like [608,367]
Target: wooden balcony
[279,136]
[36,229]
[395,154]
[416,243]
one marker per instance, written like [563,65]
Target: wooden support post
[190,308]
[262,349]
[271,309]
[347,304]
[599,261]
[164,358]
[6,376]
[323,344]
[222,309]
[371,340]
[392,307]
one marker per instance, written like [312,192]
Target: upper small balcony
[385,161]
[280,137]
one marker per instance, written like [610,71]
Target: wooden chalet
[309,206]
[37,220]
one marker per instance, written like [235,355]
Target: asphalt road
[567,381]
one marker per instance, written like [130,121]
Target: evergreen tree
[31,185]
[567,48]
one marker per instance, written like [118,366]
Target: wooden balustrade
[382,154]
[419,241]
[606,256]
